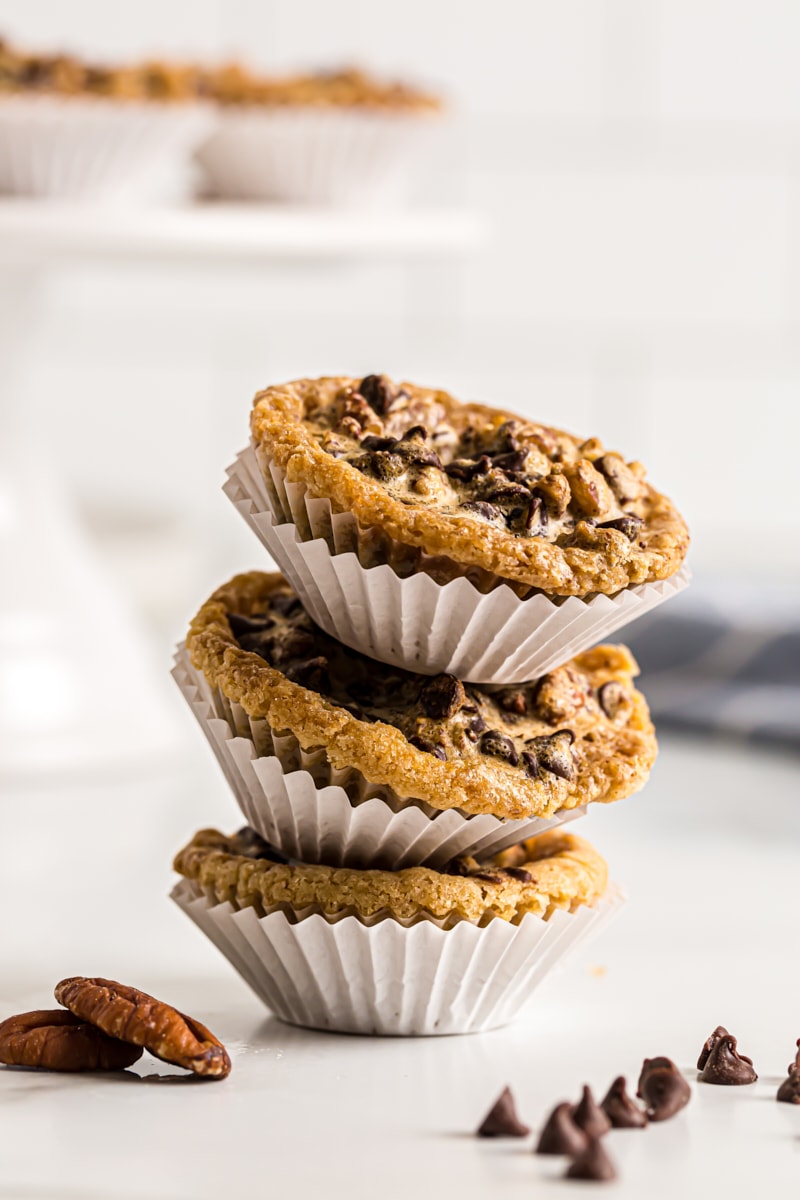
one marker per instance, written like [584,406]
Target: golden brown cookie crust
[605,560]
[563,871]
[613,756]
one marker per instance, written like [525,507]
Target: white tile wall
[639,161]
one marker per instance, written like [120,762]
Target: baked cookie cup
[444,536]
[408,952]
[329,139]
[334,757]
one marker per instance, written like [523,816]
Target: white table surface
[710,856]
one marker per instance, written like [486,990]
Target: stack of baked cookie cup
[408,718]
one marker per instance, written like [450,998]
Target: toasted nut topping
[133,1016]
[55,1040]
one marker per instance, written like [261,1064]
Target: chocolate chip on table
[630,526]
[621,1111]
[795,1066]
[721,1063]
[663,1088]
[502,1120]
[442,697]
[560,1134]
[789,1091]
[467,469]
[554,753]
[378,392]
[421,743]
[499,746]
[481,508]
[589,1116]
[257,623]
[612,697]
[592,1164]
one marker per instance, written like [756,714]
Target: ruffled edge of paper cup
[392,978]
[315,814]
[414,622]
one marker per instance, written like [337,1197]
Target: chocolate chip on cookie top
[526,726]
[516,498]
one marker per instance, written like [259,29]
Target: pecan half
[133,1016]
[56,1040]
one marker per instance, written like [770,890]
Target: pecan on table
[133,1016]
[56,1040]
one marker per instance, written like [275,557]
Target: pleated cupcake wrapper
[94,149]
[314,813]
[391,977]
[313,156]
[410,620]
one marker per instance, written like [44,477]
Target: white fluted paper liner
[415,622]
[388,976]
[314,813]
[312,156]
[86,148]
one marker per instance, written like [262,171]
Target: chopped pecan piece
[624,483]
[591,495]
[56,1040]
[555,490]
[558,696]
[133,1016]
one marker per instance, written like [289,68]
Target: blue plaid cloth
[725,659]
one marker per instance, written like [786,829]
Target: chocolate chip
[508,493]
[506,436]
[513,701]
[250,844]
[419,454]
[312,673]
[467,469]
[630,526]
[482,509]
[241,626]
[795,1066]
[284,603]
[502,1120]
[476,728]
[611,697]
[721,1063]
[519,873]
[487,876]
[589,1116]
[530,763]
[789,1091]
[536,518]
[499,746]
[383,464]
[415,433]
[373,442]
[554,753]
[560,1134]
[379,393]
[663,1088]
[513,460]
[593,1164]
[422,743]
[620,1109]
[442,697]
